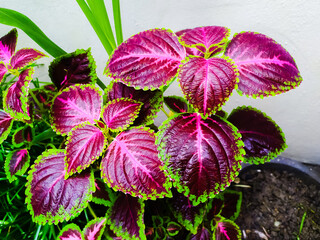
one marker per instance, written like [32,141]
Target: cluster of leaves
[112,154]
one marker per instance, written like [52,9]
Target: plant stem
[117,20]
[164,111]
[36,101]
[91,211]
[101,84]
[49,133]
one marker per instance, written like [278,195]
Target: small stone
[277,223]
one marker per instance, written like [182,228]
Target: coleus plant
[111,153]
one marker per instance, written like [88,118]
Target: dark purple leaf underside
[263,139]
[215,207]
[5,125]
[94,229]
[265,67]
[147,60]
[226,230]
[16,97]
[202,156]
[151,100]
[8,45]
[202,234]
[50,197]
[207,83]
[176,104]
[73,68]
[103,194]
[75,105]
[17,163]
[231,204]
[132,165]
[24,57]
[125,217]
[120,113]
[85,144]
[18,138]
[71,232]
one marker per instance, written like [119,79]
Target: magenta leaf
[8,45]
[73,68]
[94,229]
[225,229]
[263,138]
[151,101]
[85,144]
[125,217]
[103,194]
[209,40]
[202,155]
[190,51]
[147,60]
[24,57]
[71,232]
[120,113]
[207,83]
[52,198]
[75,105]
[6,122]
[132,165]
[16,97]
[203,234]
[3,71]
[17,163]
[265,67]
[176,104]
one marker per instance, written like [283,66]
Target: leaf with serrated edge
[202,155]
[71,232]
[3,71]
[6,122]
[94,229]
[103,194]
[225,229]
[17,163]
[120,113]
[51,198]
[17,138]
[75,105]
[176,104]
[132,165]
[15,100]
[263,138]
[265,67]
[125,217]
[147,60]
[85,144]
[207,83]
[231,204]
[202,234]
[8,45]
[24,57]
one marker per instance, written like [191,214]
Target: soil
[274,203]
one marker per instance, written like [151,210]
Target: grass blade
[117,20]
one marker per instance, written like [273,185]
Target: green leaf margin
[26,165]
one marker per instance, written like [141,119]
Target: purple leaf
[16,96]
[85,144]
[120,113]
[265,67]
[202,155]
[94,229]
[207,83]
[5,125]
[24,57]
[209,40]
[263,138]
[3,71]
[190,51]
[8,45]
[147,60]
[75,105]
[231,204]
[17,163]
[151,101]
[103,194]
[132,165]
[176,104]
[50,197]
[226,230]
[18,138]
[215,207]
[71,232]
[203,234]
[73,68]
[125,217]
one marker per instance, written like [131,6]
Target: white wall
[293,23]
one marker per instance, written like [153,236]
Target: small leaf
[70,232]
[207,83]
[120,113]
[103,194]
[231,204]
[151,101]
[15,99]
[18,138]
[17,163]
[8,45]
[265,67]
[147,60]
[24,57]
[51,198]
[263,138]
[226,229]
[202,155]
[125,217]
[203,234]
[132,165]
[73,68]
[75,105]
[190,51]
[173,228]
[3,71]
[176,104]
[94,229]
[6,122]
[85,144]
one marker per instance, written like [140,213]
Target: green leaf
[117,20]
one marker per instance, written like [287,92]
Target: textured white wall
[293,23]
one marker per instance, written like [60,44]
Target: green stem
[37,233]
[49,133]
[117,20]
[91,211]
[164,111]
[101,84]
[36,101]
